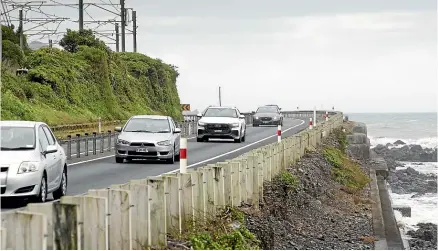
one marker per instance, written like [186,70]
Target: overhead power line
[33,18]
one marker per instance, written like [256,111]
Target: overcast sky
[358,56]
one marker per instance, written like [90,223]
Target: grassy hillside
[83,82]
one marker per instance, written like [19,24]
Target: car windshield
[17,138]
[147,125]
[220,112]
[267,109]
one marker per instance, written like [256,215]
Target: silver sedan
[33,164]
[148,137]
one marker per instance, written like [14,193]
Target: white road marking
[238,149]
[176,170]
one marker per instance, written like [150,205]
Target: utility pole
[220,97]
[123,22]
[117,37]
[134,29]
[20,14]
[50,43]
[81,15]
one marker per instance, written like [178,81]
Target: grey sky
[359,56]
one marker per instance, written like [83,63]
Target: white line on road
[236,150]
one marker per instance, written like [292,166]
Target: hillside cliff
[83,82]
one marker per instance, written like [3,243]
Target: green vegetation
[289,181]
[344,170]
[83,82]
[217,232]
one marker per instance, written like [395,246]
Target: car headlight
[164,143]
[256,117]
[275,118]
[122,142]
[235,124]
[201,124]
[27,167]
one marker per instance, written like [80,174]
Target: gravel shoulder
[319,214]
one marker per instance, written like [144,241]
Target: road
[102,173]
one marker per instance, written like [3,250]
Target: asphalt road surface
[101,173]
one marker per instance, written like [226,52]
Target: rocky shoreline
[318,214]
[408,180]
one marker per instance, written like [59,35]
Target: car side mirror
[199,115]
[241,116]
[51,149]
[253,112]
[118,129]
[177,130]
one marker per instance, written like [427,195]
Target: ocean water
[412,128]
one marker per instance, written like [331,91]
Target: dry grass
[368,239]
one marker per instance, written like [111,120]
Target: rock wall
[358,142]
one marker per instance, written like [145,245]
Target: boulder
[357,138]
[360,128]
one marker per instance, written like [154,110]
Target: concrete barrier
[140,214]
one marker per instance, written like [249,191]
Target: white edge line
[221,155]
[238,149]
[176,170]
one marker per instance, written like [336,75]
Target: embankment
[331,198]
[79,86]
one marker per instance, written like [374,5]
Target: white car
[32,162]
[219,122]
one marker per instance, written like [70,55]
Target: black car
[267,115]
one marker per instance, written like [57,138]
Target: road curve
[104,172]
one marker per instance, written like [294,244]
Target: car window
[13,137]
[221,112]
[49,135]
[172,124]
[44,142]
[147,125]
[267,109]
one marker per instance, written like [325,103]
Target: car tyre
[42,193]
[176,156]
[62,190]
[199,139]
[119,160]
[171,160]
[255,125]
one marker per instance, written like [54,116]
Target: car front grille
[265,119]
[134,153]
[4,168]
[142,144]
[213,128]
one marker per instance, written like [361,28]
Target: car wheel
[244,138]
[171,160]
[199,139]
[42,193]
[255,125]
[176,156]
[62,190]
[119,160]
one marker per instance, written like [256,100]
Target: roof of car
[216,107]
[20,123]
[149,117]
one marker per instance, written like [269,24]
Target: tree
[73,39]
